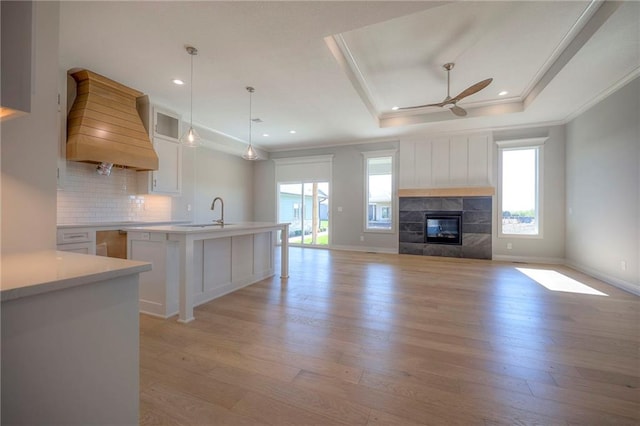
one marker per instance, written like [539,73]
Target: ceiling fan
[451,103]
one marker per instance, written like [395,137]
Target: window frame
[523,144]
[367,155]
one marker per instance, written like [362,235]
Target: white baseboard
[385,250]
[529,259]
[230,287]
[616,282]
[154,309]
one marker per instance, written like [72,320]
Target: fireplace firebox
[443,228]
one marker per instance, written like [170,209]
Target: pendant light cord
[191,97]
[192,51]
[250,90]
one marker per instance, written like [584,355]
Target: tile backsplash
[88,197]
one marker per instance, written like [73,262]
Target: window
[303,198]
[379,191]
[519,192]
[385,213]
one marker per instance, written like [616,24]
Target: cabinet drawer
[84,248]
[77,235]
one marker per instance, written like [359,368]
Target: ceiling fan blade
[460,112]
[473,89]
[441,104]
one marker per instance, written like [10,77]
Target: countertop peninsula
[29,274]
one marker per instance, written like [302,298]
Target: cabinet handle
[154,183]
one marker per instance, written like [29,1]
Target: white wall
[551,247]
[603,189]
[30,147]
[217,174]
[446,161]
[347,191]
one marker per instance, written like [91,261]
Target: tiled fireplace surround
[476,225]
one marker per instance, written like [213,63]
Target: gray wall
[603,188]
[30,148]
[217,174]
[551,247]
[347,191]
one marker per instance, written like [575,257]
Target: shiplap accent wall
[449,161]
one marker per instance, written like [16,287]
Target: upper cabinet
[453,161]
[166,124]
[163,126]
[16,33]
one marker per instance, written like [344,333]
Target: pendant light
[250,154]
[191,137]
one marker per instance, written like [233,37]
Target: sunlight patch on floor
[555,281]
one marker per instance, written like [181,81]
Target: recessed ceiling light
[266,135]
[395,108]
[178,82]
[292,131]
[504,92]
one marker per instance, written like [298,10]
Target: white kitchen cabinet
[167,180]
[77,240]
[164,130]
[166,124]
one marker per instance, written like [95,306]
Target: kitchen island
[193,264]
[70,339]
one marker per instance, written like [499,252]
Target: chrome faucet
[213,205]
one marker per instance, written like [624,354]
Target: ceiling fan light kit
[451,103]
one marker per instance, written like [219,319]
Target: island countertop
[210,227]
[29,274]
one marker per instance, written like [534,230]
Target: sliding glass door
[305,205]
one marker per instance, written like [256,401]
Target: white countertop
[29,274]
[118,224]
[207,227]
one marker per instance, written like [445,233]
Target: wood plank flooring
[375,339]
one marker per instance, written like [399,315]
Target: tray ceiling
[332,71]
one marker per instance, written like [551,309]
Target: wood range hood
[103,125]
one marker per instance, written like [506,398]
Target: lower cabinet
[77,240]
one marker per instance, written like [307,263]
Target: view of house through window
[379,180]
[306,207]
[520,191]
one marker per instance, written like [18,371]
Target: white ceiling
[333,70]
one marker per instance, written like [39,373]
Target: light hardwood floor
[373,339]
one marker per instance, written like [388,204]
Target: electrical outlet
[623,265]
[361,237]
[509,246]
[188,207]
